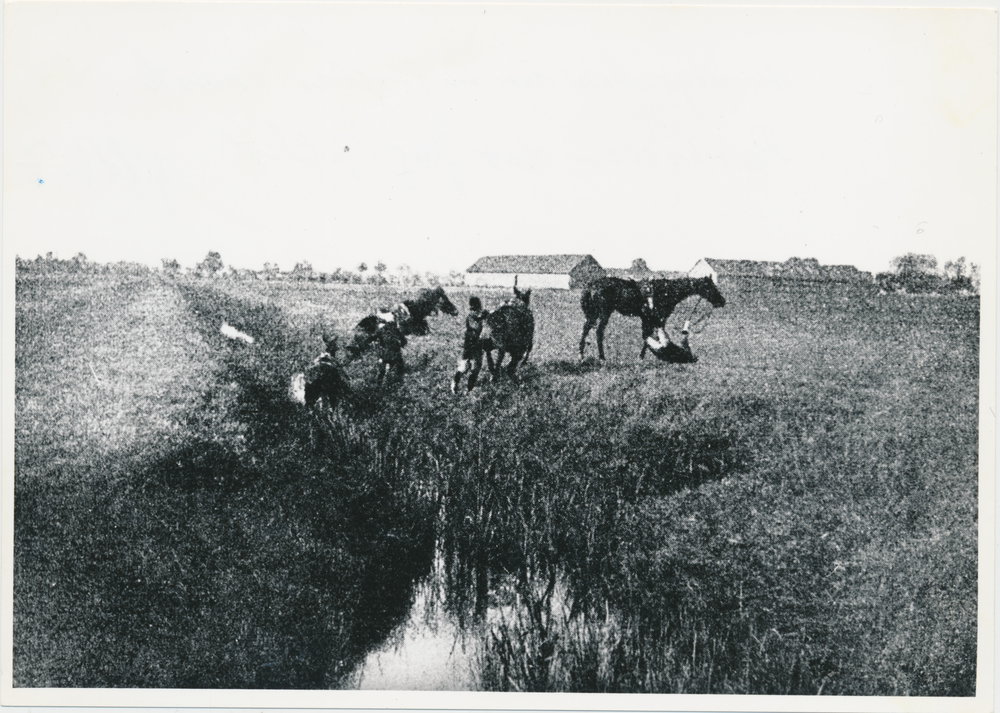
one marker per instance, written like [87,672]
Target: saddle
[400,314]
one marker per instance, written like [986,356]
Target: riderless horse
[653,301]
[511,330]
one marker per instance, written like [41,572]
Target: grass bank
[796,513]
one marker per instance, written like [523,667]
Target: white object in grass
[232,332]
[297,389]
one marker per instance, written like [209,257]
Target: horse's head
[706,287]
[524,297]
[443,303]
[331,344]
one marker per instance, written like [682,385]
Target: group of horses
[509,329]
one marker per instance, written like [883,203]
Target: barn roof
[529,264]
[630,273]
[792,269]
[749,268]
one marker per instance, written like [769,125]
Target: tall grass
[793,514]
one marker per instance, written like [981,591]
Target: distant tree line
[213,267]
[303,271]
[913,273]
[78,264]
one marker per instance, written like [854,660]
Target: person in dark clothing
[325,382]
[389,343]
[666,350]
[471,361]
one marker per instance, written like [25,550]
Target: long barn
[564,272]
[795,275]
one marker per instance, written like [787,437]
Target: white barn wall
[703,269]
[525,280]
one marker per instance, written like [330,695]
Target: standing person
[389,343]
[471,360]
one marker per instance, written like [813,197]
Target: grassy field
[796,513]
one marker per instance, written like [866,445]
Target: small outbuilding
[640,271]
[563,272]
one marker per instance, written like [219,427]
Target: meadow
[796,513]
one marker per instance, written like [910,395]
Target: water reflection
[434,649]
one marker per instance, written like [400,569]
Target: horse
[652,301]
[410,317]
[511,330]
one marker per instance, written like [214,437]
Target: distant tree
[210,265]
[405,274]
[916,273]
[271,270]
[302,270]
[380,267]
[959,276]
[78,263]
[955,269]
[170,266]
[887,281]
[456,277]
[362,268]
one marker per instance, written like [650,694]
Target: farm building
[555,271]
[640,271]
[793,275]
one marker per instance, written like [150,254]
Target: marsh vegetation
[794,514]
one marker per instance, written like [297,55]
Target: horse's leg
[477,366]
[600,335]
[515,359]
[587,326]
[489,361]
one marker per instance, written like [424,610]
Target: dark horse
[653,301]
[410,317]
[511,331]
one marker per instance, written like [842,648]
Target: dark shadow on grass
[218,573]
[567,367]
[265,547]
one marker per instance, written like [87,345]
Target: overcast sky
[434,134]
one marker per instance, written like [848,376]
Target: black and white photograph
[454,355]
